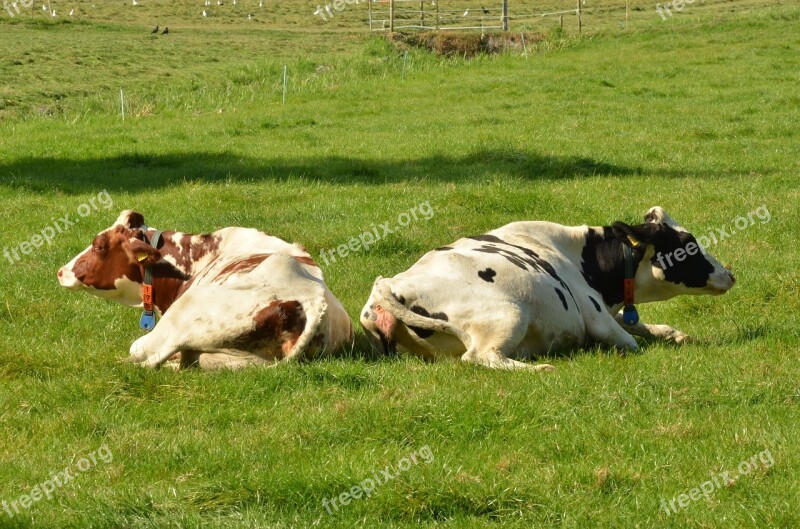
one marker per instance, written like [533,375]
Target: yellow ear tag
[141,256]
[634,242]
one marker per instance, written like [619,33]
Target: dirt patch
[463,44]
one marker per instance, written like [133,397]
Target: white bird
[249,17]
[44,7]
[219,2]
[260,3]
[204,13]
[53,14]
[465,13]
[135,3]
[71,12]
[234,2]
[328,9]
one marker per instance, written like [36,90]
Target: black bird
[165,32]
[155,30]
[485,11]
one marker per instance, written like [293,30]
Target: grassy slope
[699,117]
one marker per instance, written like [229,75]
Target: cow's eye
[101,250]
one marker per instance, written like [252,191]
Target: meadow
[698,114]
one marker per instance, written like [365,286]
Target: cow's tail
[383,296]
[316,313]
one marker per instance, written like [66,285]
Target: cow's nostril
[60,272]
[733,277]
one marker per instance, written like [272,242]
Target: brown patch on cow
[277,327]
[107,261]
[242,266]
[248,264]
[305,260]
[185,252]
[166,290]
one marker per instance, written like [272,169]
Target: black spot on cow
[596,305]
[562,298]
[443,248]
[487,238]
[603,265]
[487,275]
[400,299]
[521,257]
[425,333]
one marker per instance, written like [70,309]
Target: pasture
[698,114]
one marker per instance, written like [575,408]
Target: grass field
[698,114]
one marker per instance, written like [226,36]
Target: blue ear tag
[148,321]
[629,315]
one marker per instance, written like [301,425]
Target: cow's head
[675,263]
[113,266]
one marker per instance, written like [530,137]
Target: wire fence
[516,15]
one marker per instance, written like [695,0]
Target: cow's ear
[636,235]
[130,219]
[142,253]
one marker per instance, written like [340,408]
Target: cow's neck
[183,255]
[603,264]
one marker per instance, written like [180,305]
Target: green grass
[698,114]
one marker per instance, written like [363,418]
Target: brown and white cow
[530,288]
[230,298]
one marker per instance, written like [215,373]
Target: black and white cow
[530,288]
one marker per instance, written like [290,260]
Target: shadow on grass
[139,172]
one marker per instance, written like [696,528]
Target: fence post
[505,15]
[578,11]
[437,15]
[369,8]
[391,16]
[422,14]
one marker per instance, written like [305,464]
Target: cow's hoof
[543,368]
[131,360]
[680,338]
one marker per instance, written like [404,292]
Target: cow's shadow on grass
[135,172]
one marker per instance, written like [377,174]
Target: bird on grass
[485,11]
[155,30]
[135,3]
[204,13]
[71,12]
[166,31]
[465,13]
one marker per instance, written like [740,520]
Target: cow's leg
[494,341]
[651,331]
[602,327]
